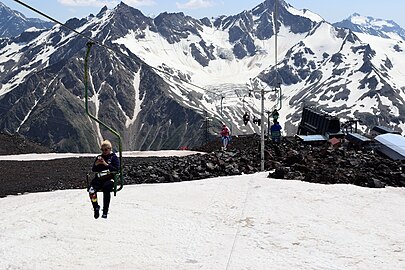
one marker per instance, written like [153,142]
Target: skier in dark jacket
[105,166]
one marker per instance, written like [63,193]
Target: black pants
[101,185]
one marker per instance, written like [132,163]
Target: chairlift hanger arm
[113,131]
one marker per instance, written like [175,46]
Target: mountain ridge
[372,26]
[13,23]
[149,92]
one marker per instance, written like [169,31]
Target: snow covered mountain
[373,26]
[348,74]
[170,74]
[13,23]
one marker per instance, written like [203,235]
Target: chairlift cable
[108,48]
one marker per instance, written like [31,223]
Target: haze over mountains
[353,72]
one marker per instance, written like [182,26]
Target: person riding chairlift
[257,121]
[246,118]
[104,166]
[275,131]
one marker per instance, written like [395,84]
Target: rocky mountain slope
[13,144]
[13,23]
[172,79]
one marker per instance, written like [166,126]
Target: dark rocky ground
[288,160]
[15,144]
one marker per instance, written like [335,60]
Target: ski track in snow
[240,222]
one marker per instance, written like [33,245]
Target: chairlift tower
[256,88]
[255,85]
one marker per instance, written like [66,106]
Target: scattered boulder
[289,159]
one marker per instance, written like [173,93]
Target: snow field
[239,222]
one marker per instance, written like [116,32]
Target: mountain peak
[285,10]
[369,21]
[13,23]
[372,26]
[103,10]
[171,15]
[123,8]
[122,5]
[270,3]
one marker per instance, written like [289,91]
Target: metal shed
[384,130]
[358,139]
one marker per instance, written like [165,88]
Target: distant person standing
[225,136]
[104,166]
[275,131]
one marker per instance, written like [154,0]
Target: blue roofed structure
[312,138]
[391,145]
[377,130]
[357,139]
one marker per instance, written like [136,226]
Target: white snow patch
[381,23]
[156,50]
[138,101]
[305,13]
[360,20]
[32,29]
[15,81]
[95,99]
[384,49]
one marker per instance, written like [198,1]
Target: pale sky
[330,10]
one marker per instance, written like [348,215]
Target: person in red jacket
[104,166]
[225,136]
